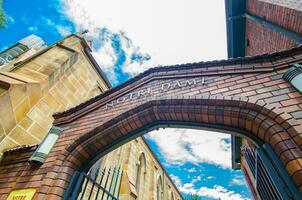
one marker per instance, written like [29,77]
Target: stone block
[6,112]
[38,131]
[37,116]
[2,90]
[58,96]
[19,135]
[17,93]
[22,109]
[34,93]
[32,74]
[7,143]
[26,122]
[51,102]
[32,66]
[69,84]
[2,133]
[43,107]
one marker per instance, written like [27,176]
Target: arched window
[159,188]
[171,196]
[140,176]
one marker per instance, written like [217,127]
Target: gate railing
[104,185]
[269,184]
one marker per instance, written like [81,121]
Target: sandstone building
[145,177]
[37,81]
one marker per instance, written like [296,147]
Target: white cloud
[77,13]
[106,57]
[220,192]
[238,180]
[48,22]
[63,30]
[106,41]
[192,170]
[196,179]
[179,146]
[170,32]
[176,180]
[216,192]
[188,188]
[130,67]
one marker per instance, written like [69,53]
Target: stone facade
[31,91]
[34,86]
[128,157]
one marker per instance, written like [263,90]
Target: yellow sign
[22,194]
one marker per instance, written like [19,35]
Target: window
[171,196]
[140,176]
[294,76]
[159,189]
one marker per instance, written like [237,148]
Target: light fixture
[294,76]
[46,145]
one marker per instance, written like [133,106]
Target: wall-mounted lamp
[46,145]
[294,76]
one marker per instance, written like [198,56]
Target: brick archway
[246,94]
[242,114]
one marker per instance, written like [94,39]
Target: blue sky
[130,37]
[26,17]
[199,162]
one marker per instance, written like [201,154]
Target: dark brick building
[262,26]
[256,27]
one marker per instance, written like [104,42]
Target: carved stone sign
[178,84]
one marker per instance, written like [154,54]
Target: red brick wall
[263,40]
[287,18]
[17,172]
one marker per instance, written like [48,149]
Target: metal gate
[102,185]
[269,184]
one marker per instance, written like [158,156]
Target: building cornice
[87,51]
